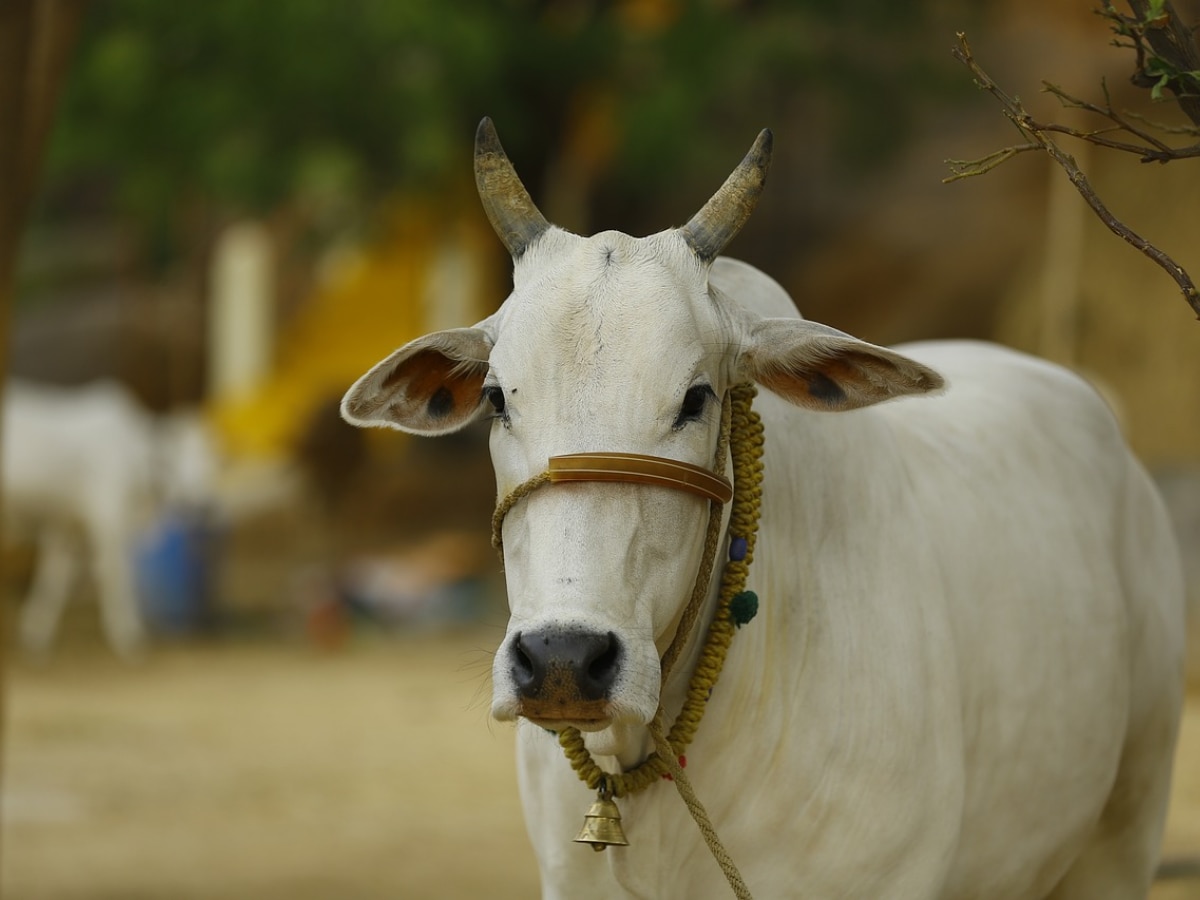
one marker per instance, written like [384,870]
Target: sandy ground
[272,770]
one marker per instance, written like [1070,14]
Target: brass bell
[602,825]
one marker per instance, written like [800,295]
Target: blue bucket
[174,568]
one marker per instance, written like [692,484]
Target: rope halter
[741,425]
[630,468]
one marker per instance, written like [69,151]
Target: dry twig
[1039,138]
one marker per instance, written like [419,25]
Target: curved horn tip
[763,146]
[485,135]
[722,217]
[513,215]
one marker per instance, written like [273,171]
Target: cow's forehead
[609,295]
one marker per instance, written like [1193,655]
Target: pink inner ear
[821,383]
[431,382]
[848,380]
[813,391]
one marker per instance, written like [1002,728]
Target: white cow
[965,679]
[85,470]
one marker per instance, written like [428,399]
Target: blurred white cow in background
[85,471]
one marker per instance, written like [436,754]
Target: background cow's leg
[117,596]
[53,574]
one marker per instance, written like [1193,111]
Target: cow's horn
[517,222]
[722,217]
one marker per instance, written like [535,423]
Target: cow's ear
[433,385]
[820,368]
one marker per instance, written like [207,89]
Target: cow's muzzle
[564,675]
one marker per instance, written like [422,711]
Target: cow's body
[965,676]
[969,624]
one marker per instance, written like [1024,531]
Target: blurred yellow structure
[428,273]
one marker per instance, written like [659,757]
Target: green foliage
[1165,74]
[1165,49]
[247,105]
[250,103]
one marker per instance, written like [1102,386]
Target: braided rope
[521,491]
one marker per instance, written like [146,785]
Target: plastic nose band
[634,468]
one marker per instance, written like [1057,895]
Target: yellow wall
[373,303]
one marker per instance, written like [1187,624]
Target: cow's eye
[494,394]
[694,403]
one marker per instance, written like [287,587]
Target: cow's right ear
[433,385]
[821,368]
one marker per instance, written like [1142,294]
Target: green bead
[743,607]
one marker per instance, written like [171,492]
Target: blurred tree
[35,45]
[233,107]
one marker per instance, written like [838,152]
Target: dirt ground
[273,770]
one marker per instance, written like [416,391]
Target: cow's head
[608,343]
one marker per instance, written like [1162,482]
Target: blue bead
[737,549]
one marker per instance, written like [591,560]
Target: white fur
[964,679]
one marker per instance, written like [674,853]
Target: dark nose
[564,662]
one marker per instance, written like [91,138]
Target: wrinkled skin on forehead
[598,344]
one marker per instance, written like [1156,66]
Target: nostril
[600,667]
[524,671]
[604,666]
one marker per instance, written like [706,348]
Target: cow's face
[608,343]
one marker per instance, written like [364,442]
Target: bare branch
[1107,112]
[1167,63]
[968,168]
[1039,136]
[1157,151]
[1190,130]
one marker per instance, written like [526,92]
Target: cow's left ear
[431,386]
[820,368]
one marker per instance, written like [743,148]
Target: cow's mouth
[586,715]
